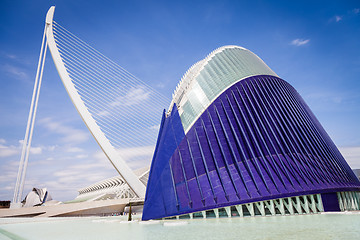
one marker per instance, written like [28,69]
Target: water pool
[317,226]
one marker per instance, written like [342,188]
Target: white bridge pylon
[120,165]
[117,108]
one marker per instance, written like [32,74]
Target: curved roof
[208,78]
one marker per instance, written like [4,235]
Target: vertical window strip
[234,160]
[195,170]
[274,128]
[205,165]
[245,160]
[297,116]
[214,159]
[285,138]
[260,120]
[298,132]
[247,141]
[254,134]
[317,136]
[279,109]
[223,154]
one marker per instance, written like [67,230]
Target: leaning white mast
[26,144]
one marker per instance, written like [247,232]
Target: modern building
[238,140]
[111,188]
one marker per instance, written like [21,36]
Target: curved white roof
[208,78]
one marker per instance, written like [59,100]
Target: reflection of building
[239,140]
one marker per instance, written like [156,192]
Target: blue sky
[314,45]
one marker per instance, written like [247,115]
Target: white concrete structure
[111,188]
[117,161]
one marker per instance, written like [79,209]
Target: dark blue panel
[170,134]
[330,202]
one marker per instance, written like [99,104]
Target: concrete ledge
[72,209]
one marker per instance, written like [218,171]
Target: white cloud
[70,135]
[352,156]
[100,156]
[74,149]
[36,150]
[51,148]
[155,127]
[14,71]
[103,113]
[137,157]
[134,96]
[9,175]
[11,56]
[356,10]
[338,18]
[2,141]
[6,151]
[128,153]
[299,42]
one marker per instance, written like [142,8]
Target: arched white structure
[210,77]
[116,160]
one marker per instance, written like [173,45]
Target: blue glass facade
[257,140]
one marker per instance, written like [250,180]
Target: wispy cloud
[7,151]
[15,72]
[74,149]
[11,150]
[338,18]
[81,156]
[103,113]
[134,96]
[323,96]
[36,150]
[11,56]
[155,127]
[70,135]
[300,42]
[137,157]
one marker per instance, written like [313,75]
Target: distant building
[37,197]
[5,204]
[111,188]
[239,140]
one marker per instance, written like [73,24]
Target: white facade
[208,78]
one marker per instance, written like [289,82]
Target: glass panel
[218,73]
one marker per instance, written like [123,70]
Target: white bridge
[117,108]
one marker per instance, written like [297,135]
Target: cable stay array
[127,110]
